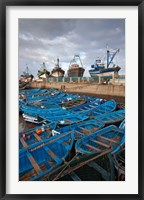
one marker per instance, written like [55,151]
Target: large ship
[101,68]
[57,71]
[26,76]
[43,72]
[76,70]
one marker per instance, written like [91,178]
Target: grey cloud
[43,40]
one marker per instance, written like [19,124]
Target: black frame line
[3,5]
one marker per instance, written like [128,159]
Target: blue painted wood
[89,105]
[122,125]
[107,107]
[46,155]
[31,91]
[108,137]
[112,117]
[65,119]
[30,136]
[84,128]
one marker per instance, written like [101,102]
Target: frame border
[3,5]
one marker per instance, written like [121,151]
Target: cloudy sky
[44,40]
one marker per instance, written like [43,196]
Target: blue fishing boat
[105,69]
[34,118]
[33,114]
[112,118]
[122,124]
[82,129]
[34,92]
[39,115]
[44,104]
[40,158]
[66,119]
[39,107]
[58,100]
[107,107]
[74,102]
[30,91]
[46,96]
[110,137]
[89,105]
[51,110]
[36,134]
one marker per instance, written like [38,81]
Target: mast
[58,65]
[26,69]
[43,65]
[57,61]
[79,59]
[111,59]
[108,53]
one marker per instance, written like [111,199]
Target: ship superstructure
[57,70]
[101,68]
[43,72]
[75,69]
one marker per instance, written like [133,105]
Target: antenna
[26,68]
[57,62]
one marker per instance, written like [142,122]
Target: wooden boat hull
[114,118]
[35,135]
[74,103]
[110,137]
[82,129]
[40,158]
[88,105]
[106,107]
[66,119]
[119,163]
[122,124]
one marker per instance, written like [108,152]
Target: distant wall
[113,90]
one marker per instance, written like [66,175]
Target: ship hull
[43,76]
[76,72]
[58,74]
[26,79]
[104,72]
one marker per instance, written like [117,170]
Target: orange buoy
[38,131]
